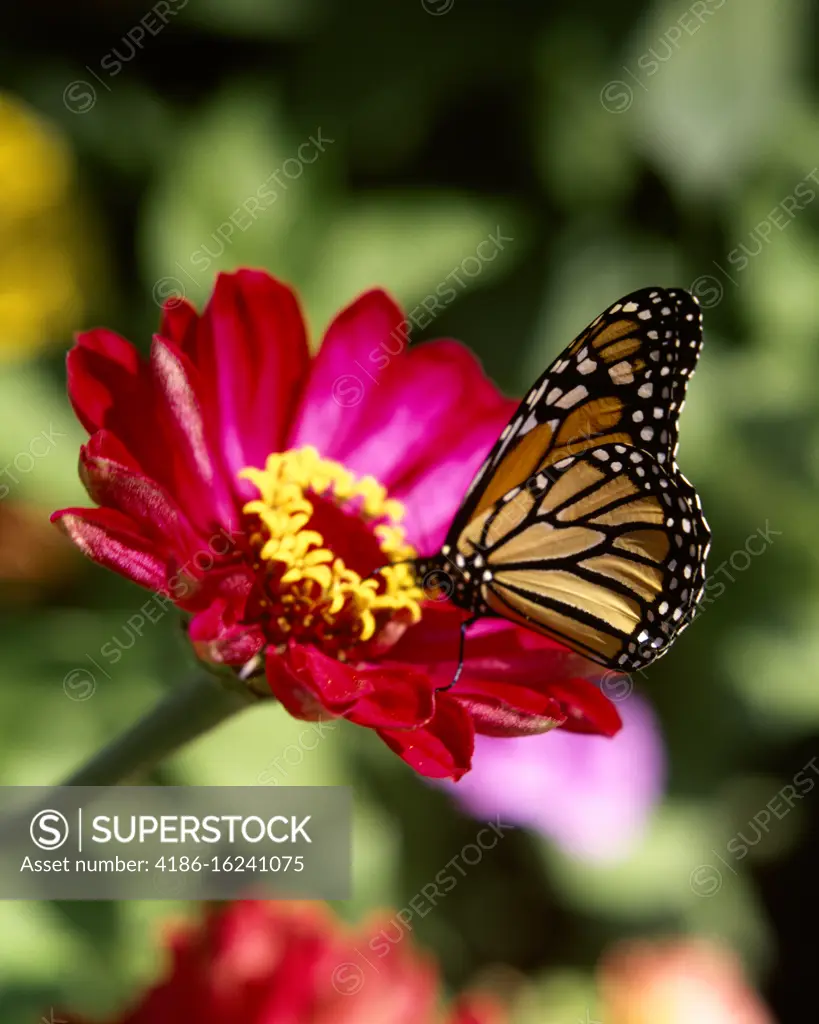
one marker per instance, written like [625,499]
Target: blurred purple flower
[590,794]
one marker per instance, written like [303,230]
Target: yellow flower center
[308,592]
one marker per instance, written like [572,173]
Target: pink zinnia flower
[271,963]
[259,488]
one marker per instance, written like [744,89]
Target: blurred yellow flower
[40,271]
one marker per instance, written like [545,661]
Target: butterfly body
[458,578]
[579,524]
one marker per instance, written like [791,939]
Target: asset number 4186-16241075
[236,863]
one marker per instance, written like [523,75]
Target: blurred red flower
[278,963]
[258,488]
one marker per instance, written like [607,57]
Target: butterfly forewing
[607,559]
[623,380]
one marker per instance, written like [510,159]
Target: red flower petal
[178,324]
[219,635]
[110,387]
[103,444]
[144,502]
[501,709]
[343,379]
[433,494]
[199,484]
[587,708]
[401,697]
[442,749]
[111,539]
[306,681]
[435,638]
[424,403]
[376,696]
[253,357]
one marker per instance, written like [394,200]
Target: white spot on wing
[621,373]
[530,424]
[571,398]
[535,397]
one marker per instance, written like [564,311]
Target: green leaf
[710,90]
[235,192]
[421,248]
[40,440]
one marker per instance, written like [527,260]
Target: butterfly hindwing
[622,380]
[606,554]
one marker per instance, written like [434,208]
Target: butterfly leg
[464,627]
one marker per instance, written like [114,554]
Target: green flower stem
[186,713]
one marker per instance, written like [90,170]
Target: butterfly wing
[608,558]
[622,380]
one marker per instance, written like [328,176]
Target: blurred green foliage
[618,146]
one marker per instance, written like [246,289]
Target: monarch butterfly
[579,525]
